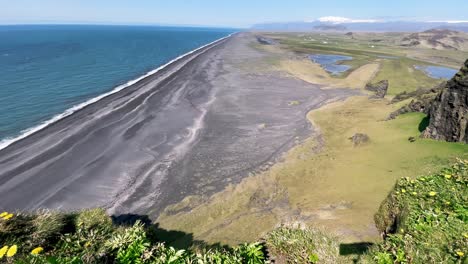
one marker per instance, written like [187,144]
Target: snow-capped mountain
[335,23]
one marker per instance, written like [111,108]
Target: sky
[223,13]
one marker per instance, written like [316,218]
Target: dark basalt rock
[414,106]
[421,100]
[420,93]
[359,139]
[379,88]
[448,113]
[265,41]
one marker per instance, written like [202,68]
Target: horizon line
[95,23]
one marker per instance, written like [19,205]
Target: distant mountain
[343,24]
[325,27]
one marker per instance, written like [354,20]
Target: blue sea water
[47,69]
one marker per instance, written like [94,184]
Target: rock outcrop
[421,100]
[265,41]
[359,139]
[448,113]
[379,88]
[413,106]
[420,94]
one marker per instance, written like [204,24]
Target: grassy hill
[440,39]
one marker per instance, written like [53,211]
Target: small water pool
[437,72]
[330,62]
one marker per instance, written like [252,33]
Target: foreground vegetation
[92,237]
[423,220]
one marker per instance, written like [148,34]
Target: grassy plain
[396,63]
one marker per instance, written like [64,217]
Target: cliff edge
[448,113]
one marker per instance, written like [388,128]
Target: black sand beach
[192,128]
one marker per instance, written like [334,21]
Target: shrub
[306,245]
[47,227]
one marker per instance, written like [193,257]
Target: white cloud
[450,21]
[340,20]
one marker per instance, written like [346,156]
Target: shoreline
[196,126]
[6,142]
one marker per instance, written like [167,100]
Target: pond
[330,62]
[437,72]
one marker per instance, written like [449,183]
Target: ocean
[49,71]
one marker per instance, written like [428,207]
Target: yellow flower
[460,254]
[402,230]
[448,176]
[447,203]
[465,235]
[403,190]
[414,193]
[87,244]
[3,214]
[37,251]
[412,181]
[432,193]
[3,250]
[8,216]
[12,251]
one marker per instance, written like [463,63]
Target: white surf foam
[27,132]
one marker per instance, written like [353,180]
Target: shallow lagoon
[330,62]
[437,72]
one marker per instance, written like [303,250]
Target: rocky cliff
[448,113]
[379,88]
